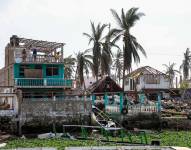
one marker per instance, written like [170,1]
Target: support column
[121,101]
[105,99]
[141,98]
[43,70]
[93,99]
[159,102]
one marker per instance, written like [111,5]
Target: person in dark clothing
[24,55]
[34,54]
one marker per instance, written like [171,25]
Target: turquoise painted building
[35,67]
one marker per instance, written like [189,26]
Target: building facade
[34,66]
[146,78]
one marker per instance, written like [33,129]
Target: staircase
[103,120]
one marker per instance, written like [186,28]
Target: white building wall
[164,84]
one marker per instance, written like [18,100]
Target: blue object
[142,98]
[159,102]
[121,101]
[105,99]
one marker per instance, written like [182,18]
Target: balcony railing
[42,83]
[38,59]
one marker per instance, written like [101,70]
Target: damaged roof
[44,45]
[106,84]
[145,70]
[40,45]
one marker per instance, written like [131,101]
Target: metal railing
[45,82]
[38,59]
[146,108]
[133,109]
[112,109]
[57,98]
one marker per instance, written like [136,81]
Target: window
[132,84]
[52,71]
[127,81]
[152,79]
[38,66]
[138,80]
[22,68]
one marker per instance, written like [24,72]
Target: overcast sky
[164,32]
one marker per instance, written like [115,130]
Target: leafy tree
[171,72]
[69,63]
[95,37]
[106,53]
[130,44]
[185,66]
[84,63]
[118,65]
[184,86]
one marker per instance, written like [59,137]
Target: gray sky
[164,32]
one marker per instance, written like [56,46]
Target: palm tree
[118,65]
[105,61]
[130,44]
[69,63]
[106,53]
[171,72]
[185,66]
[84,63]
[96,37]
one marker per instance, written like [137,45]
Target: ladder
[103,120]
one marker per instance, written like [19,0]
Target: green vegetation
[131,46]
[167,138]
[170,71]
[172,138]
[58,143]
[185,66]
[101,49]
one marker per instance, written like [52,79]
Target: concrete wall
[41,114]
[64,111]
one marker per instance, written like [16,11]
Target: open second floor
[26,51]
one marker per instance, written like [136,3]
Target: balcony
[38,59]
[42,83]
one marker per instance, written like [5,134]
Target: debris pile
[174,107]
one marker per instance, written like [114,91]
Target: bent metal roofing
[43,46]
[145,70]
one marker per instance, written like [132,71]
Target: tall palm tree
[69,63]
[130,44]
[105,61]
[118,65]
[84,63]
[95,37]
[185,66]
[106,53]
[171,72]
